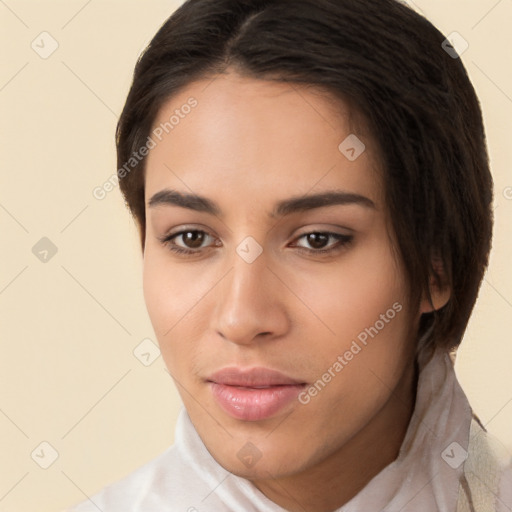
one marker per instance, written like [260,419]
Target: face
[282,318]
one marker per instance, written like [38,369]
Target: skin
[247,145]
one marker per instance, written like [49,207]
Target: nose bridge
[247,304]
[243,281]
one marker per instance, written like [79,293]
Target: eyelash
[343,241]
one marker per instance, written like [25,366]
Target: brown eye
[318,242]
[193,239]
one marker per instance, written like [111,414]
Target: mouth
[254,394]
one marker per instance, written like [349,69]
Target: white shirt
[424,477]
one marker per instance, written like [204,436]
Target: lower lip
[251,404]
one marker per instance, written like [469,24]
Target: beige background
[69,325]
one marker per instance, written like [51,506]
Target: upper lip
[252,377]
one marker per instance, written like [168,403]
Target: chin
[254,462]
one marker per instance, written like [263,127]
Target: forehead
[258,137]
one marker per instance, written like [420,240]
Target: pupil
[194,239]
[317,240]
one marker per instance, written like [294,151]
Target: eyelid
[326,228]
[185,229]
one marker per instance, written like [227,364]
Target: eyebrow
[285,207]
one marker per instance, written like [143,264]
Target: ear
[440,292]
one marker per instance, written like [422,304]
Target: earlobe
[440,292]
[440,297]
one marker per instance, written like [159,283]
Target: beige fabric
[482,471]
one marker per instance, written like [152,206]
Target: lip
[253,394]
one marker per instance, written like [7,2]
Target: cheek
[164,296]
[351,297]
[175,298]
[365,305]
[157,296]
[169,289]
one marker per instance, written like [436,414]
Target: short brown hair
[392,65]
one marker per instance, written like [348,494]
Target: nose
[250,303]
